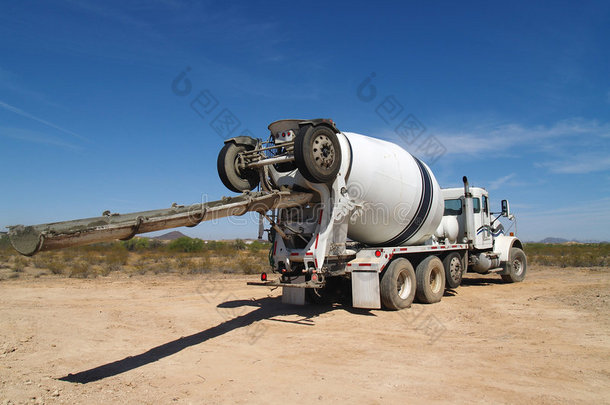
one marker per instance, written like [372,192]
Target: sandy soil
[164,339]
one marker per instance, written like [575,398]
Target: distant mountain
[173,235]
[553,240]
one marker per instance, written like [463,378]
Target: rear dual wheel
[453,270]
[397,285]
[430,275]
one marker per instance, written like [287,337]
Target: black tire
[430,275]
[397,286]
[452,264]
[516,266]
[317,153]
[231,177]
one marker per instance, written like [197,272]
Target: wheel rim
[323,151]
[236,165]
[517,267]
[435,280]
[403,285]
[455,268]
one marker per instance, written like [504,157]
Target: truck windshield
[453,207]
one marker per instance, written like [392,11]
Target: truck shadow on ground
[266,309]
[481,281]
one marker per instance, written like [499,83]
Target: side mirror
[505,208]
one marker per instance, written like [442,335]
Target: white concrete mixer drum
[398,199]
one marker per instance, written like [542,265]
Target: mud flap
[365,289]
[294,296]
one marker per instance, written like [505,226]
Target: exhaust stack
[469,225]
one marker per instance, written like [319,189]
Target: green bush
[5,244]
[239,244]
[259,245]
[136,244]
[186,245]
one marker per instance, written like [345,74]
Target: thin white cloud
[45,122]
[500,138]
[36,137]
[578,163]
[496,184]
[13,83]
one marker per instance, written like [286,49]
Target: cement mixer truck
[344,211]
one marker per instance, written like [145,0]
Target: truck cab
[483,232]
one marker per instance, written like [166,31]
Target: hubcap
[238,164]
[323,151]
[435,281]
[455,268]
[517,266]
[404,286]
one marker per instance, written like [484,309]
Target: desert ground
[212,339]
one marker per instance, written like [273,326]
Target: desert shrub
[186,244]
[182,264]
[79,270]
[19,263]
[136,244]
[5,243]
[141,266]
[199,265]
[160,266]
[154,244]
[220,248]
[55,266]
[239,244]
[41,261]
[92,257]
[569,255]
[259,245]
[116,256]
[103,270]
[248,266]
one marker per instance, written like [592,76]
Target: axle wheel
[317,153]
[430,275]
[397,285]
[453,270]
[516,266]
[232,176]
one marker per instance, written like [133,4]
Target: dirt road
[165,339]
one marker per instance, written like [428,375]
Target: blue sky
[518,94]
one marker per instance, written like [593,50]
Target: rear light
[512,234]
[314,277]
[283,134]
[378,253]
[263,276]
